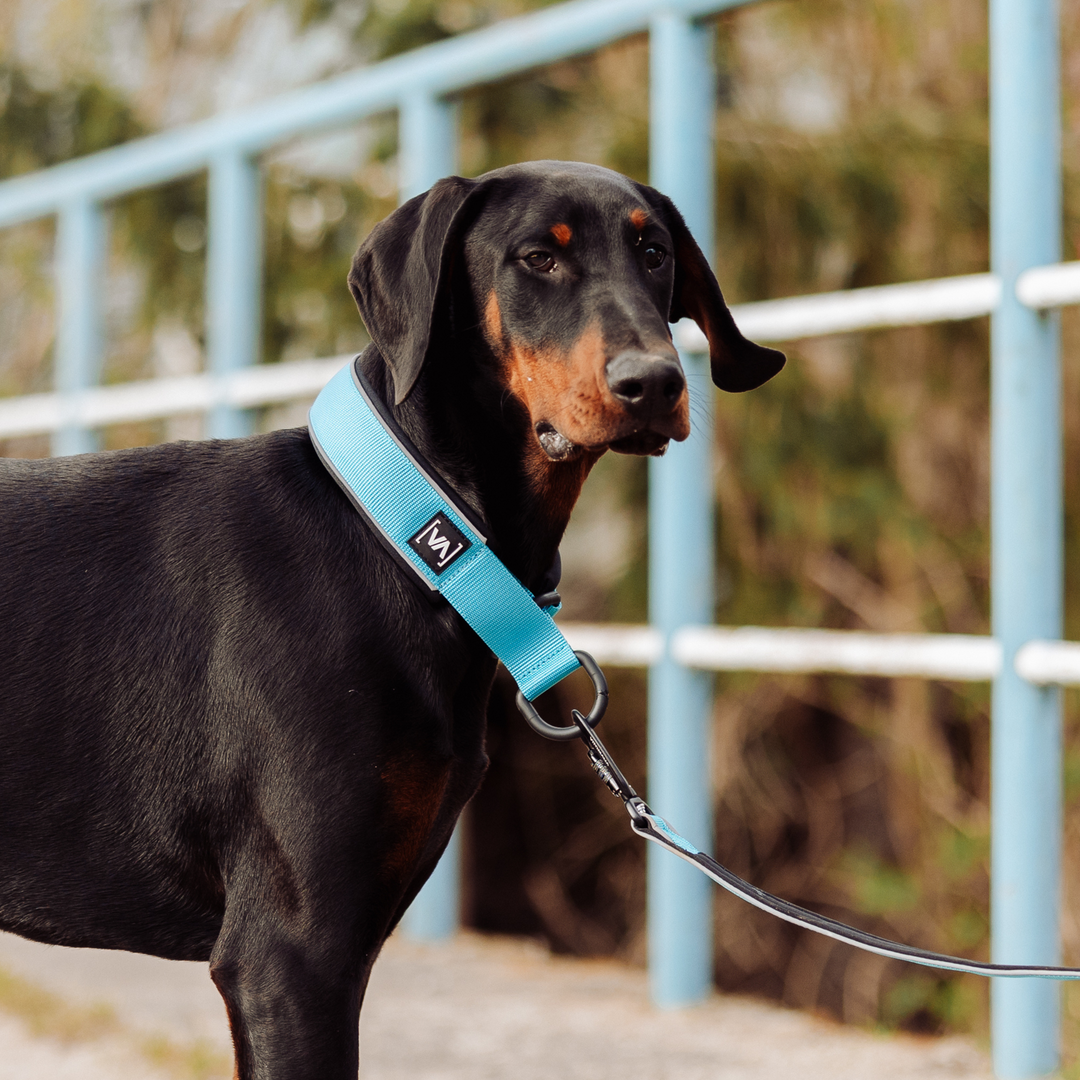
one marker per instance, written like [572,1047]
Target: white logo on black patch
[439,543]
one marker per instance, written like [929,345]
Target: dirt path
[475,1009]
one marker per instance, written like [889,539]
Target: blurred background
[852,492]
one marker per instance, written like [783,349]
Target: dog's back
[174,621]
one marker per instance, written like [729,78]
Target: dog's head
[571,273]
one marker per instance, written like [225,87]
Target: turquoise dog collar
[420,520]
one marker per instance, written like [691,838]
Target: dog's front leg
[293,999]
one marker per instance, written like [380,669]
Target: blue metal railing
[681,110]
[1026,527]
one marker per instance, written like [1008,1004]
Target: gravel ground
[474,1009]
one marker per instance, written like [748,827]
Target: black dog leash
[424,526]
[653,827]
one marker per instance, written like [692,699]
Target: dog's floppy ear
[400,274]
[737,364]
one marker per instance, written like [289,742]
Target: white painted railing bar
[152,399]
[906,304]
[1048,663]
[752,648]
[766,320]
[793,317]
[1049,286]
[959,657]
[616,645]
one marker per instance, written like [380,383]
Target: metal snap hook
[571,731]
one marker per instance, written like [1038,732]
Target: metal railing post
[1026,530]
[681,539]
[427,141]
[81,247]
[427,151]
[233,279]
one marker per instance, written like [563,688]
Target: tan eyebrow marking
[562,234]
[639,218]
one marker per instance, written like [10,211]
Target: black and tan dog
[232,727]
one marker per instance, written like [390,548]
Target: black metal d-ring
[571,731]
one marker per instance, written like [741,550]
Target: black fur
[232,728]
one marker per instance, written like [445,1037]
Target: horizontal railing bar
[445,67]
[786,650]
[767,320]
[1049,286]
[1049,662]
[154,399]
[880,306]
[751,648]
[616,645]
[906,304]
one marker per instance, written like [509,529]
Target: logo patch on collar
[439,543]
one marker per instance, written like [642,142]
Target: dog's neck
[481,442]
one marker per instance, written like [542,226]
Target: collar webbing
[411,510]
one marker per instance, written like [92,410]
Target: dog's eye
[541,260]
[654,256]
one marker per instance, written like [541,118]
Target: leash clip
[575,730]
[604,764]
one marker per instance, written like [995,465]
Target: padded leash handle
[653,827]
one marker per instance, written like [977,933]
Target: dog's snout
[647,384]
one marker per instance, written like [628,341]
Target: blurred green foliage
[40,127]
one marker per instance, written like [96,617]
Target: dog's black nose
[647,384]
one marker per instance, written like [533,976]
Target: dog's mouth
[644,443]
[559,448]
[556,445]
